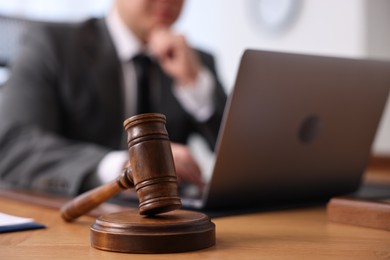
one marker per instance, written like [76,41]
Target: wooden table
[288,234]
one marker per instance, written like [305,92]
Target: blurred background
[348,28]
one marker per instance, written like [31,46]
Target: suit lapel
[106,77]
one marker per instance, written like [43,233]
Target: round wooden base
[172,232]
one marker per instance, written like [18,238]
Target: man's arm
[34,155]
[209,128]
[187,67]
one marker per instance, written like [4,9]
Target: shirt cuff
[111,166]
[197,98]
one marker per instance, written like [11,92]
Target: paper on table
[10,223]
[6,220]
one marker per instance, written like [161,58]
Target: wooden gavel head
[152,169]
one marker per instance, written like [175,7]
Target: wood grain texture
[366,213]
[302,233]
[291,234]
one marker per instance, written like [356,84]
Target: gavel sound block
[159,226]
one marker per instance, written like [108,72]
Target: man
[72,86]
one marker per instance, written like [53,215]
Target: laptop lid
[296,127]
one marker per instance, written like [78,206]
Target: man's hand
[176,57]
[187,169]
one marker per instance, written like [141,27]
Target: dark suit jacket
[62,109]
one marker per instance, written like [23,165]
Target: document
[10,223]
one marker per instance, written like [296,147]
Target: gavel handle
[93,198]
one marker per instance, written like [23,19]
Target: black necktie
[142,64]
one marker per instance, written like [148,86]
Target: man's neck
[125,41]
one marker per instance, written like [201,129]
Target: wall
[58,10]
[351,28]
[377,45]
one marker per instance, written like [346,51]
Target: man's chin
[164,20]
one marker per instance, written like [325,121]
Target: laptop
[296,128]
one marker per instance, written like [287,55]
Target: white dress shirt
[196,98]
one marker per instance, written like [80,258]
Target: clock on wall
[274,16]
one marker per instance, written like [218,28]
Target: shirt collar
[125,42]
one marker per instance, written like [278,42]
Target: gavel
[151,171]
